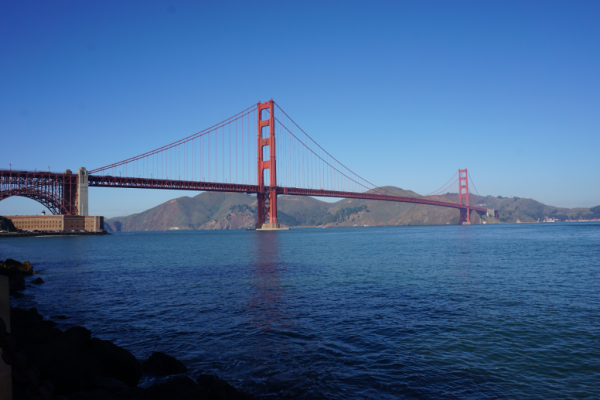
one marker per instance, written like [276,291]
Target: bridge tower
[463,194]
[82,192]
[267,195]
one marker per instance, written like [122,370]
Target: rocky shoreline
[82,367]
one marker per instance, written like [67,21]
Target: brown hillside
[214,210]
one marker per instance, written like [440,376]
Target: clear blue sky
[404,93]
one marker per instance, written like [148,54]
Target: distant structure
[65,196]
[63,223]
[493,213]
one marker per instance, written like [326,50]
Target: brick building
[57,222]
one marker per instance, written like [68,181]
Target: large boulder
[32,332]
[69,362]
[72,360]
[26,268]
[15,270]
[16,283]
[163,364]
[176,388]
[117,362]
[111,394]
[15,266]
[217,389]
[105,383]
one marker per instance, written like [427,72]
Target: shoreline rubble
[83,367]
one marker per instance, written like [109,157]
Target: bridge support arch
[57,192]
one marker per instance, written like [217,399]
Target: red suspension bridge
[260,150]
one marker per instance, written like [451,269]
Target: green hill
[527,210]
[215,210]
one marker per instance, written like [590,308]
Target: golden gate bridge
[260,150]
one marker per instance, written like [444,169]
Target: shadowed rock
[111,394]
[218,389]
[105,383]
[176,388]
[117,362]
[206,387]
[13,265]
[69,362]
[163,364]
[72,360]
[32,332]
[86,368]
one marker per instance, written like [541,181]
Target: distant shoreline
[359,226]
[38,234]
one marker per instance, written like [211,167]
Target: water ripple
[446,312]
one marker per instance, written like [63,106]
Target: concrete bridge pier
[82,192]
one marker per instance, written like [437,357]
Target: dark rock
[86,368]
[163,364]
[15,270]
[19,393]
[69,362]
[117,362]
[16,281]
[32,332]
[176,388]
[38,281]
[11,264]
[104,394]
[105,383]
[218,389]
[14,266]
[27,268]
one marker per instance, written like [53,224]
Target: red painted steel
[48,188]
[198,161]
[373,196]
[143,183]
[267,196]
[56,191]
[463,194]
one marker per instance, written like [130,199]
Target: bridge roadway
[143,183]
[29,183]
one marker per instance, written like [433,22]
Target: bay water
[502,311]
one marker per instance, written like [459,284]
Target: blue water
[504,311]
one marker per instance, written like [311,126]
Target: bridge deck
[29,179]
[143,183]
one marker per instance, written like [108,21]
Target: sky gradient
[403,93]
